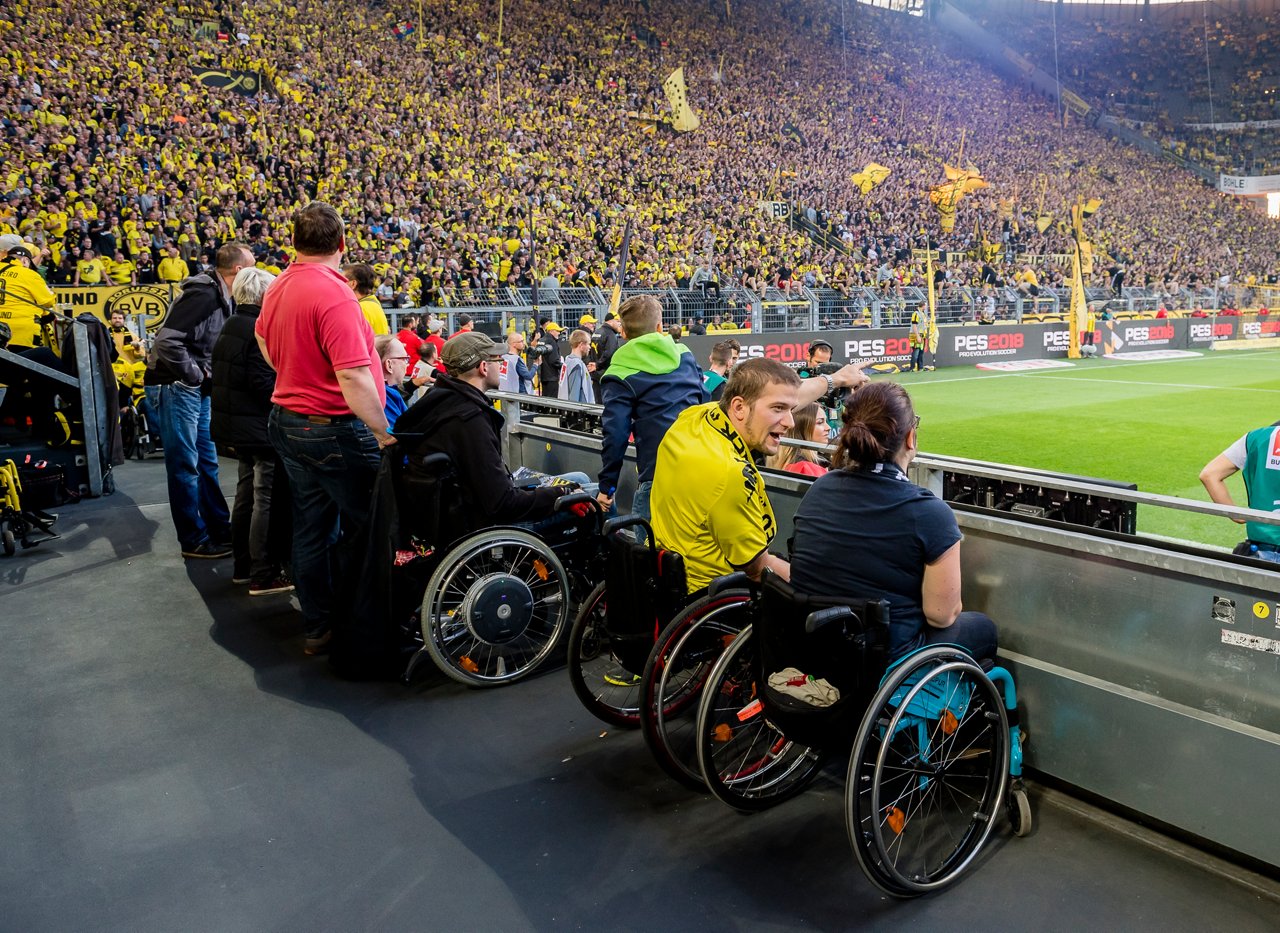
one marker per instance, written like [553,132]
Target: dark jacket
[650,381]
[242,387]
[547,352]
[459,420]
[183,348]
[604,343]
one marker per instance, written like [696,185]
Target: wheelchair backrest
[645,586]
[432,503]
[851,653]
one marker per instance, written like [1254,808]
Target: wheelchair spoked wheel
[745,760]
[928,773]
[494,608]
[677,670]
[605,687]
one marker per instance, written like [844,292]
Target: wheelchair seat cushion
[851,658]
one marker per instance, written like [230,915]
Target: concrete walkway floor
[169,760]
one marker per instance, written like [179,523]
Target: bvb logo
[149,300]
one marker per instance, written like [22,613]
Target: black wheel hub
[498,608]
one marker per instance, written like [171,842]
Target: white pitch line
[1237,355]
[1162,385]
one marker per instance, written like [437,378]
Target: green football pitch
[1152,423]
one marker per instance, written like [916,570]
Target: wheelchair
[495,601]
[641,645]
[933,742]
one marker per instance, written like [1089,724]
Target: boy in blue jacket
[649,382]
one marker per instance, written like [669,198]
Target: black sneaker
[208,551]
[277,584]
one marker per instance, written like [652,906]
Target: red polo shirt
[313,326]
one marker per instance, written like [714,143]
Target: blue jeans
[331,470]
[1266,552]
[973,631]
[556,519]
[191,464]
[640,501]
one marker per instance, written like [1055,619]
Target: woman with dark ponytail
[865,531]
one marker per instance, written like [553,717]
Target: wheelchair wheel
[745,760]
[8,540]
[494,608]
[605,687]
[928,772]
[677,670]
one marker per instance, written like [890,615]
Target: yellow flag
[871,175]
[684,119]
[1044,222]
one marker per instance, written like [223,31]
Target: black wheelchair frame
[933,744]
[496,603]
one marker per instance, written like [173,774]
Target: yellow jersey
[708,501]
[26,298]
[371,307]
[90,271]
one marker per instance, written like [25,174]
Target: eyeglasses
[916,423]
[395,358]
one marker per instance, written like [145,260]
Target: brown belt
[319,419]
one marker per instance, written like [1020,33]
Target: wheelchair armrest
[731,581]
[574,498]
[437,464]
[614,525]
[821,618]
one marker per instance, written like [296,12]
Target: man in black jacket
[604,342]
[546,350]
[181,366]
[239,409]
[456,418]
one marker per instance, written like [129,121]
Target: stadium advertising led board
[971,345]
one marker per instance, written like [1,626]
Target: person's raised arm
[360,392]
[1214,477]
[940,592]
[849,376]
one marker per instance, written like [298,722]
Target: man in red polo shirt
[327,422]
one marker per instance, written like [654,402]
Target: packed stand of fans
[1151,72]
[438,145]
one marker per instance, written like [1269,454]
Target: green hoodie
[654,353]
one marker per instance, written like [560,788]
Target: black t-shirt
[863,534]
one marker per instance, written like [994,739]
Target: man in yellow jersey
[90,270]
[709,502]
[360,277]
[173,268]
[25,298]
[122,271]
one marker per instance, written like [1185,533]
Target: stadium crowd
[1154,72]
[121,166]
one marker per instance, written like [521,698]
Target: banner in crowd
[1075,103]
[1228,127]
[151,301]
[1248,184]
[776,210]
[684,119]
[246,83]
[972,345]
[195,28]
